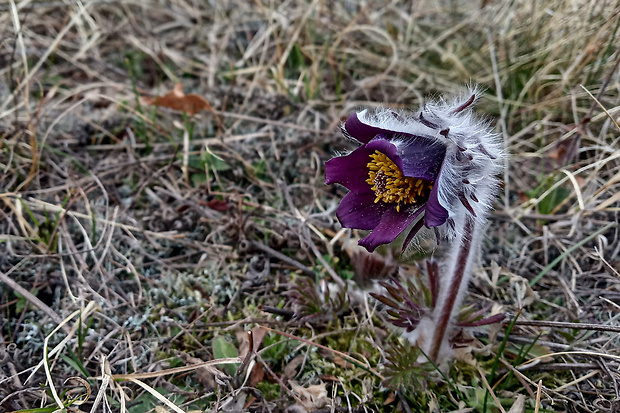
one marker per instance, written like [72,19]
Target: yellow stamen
[391,186]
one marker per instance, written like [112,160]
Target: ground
[142,239]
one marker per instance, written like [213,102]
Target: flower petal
[350,170]
[421,158]
[362,131]
[436,214]
[382,144]
[416,156]
[391,225]
[358,210]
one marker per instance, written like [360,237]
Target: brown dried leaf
[176,99]
[329,377]
[519,405]
[342,362]
[258,334]
[290,370]
[257,376]
[217,204]
[312,397]
[390,399]
[523,197]
[557,153]
[248,403]
[204,375]
[524,294]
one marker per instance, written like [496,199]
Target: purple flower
[415,170]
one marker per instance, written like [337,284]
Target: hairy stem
[447,306]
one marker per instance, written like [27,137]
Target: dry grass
[138,243]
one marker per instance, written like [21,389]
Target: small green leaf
[207,160]
[144,403]
[21,300]
[214,162]
[551,201]
[199,179]
[73,362]
[222,348]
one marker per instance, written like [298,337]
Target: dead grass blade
[177,370]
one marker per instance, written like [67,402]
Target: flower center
[391,186]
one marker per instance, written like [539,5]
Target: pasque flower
[436,168]
[430,168]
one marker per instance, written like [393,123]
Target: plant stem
[460,267]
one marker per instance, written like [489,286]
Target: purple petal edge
[381,144]
[362,131]
[349,170]
[436,214]
[392,224]
[412,233]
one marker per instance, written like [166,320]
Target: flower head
[429,168]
